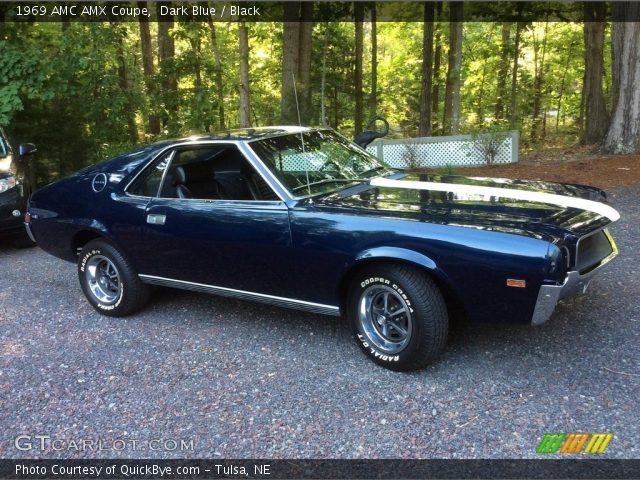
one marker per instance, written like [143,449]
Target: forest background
[559,73]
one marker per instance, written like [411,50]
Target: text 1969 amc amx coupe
[303,218]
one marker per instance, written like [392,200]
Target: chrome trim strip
[238,144]
[162,151]
[550,295]
[27,227]
[273,178]
[243,295]
[303,130]
[170,158]
[548,298]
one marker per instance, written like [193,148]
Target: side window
[213,172]
[148,183]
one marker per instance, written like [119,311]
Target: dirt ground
[604,171]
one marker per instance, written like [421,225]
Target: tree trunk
[290,59]
[618,10]
[582,98]
[218,74]
[336,118]
[451,119]
[437,54]
[166,54]
[623,135]
[538,82]
[304,63]
[245,105]
[197,70]
[595,107]
[562,85]
[359,20]
[514,79]
[503,71]
[123,82]
[148,70]
[323,80]
[480,109]
[427,70]
[373,98]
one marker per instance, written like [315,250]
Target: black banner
[270,11]
[318,469]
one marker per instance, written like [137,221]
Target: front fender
[395,253]
[404,255]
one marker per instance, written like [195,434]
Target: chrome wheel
[385,318]
[103,279]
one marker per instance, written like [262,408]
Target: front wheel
[109,281]
[398,315]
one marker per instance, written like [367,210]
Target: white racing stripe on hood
[539,197]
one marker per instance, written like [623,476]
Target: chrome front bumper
[574,283]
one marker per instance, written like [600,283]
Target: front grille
[592,250]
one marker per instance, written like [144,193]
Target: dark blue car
[303,218]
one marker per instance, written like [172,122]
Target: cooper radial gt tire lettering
[398,315]
[108,280]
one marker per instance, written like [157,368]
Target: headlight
[7,183]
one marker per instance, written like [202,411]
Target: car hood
[538,209]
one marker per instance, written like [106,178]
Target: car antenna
[295,93]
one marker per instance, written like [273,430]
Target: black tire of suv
[22,240]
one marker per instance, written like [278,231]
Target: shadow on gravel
[173,306]
[241,311]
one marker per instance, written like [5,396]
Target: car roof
[244,134]
[129,161]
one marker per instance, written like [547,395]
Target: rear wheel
[398,316]
[109,281]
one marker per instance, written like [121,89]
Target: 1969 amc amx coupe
[303,218]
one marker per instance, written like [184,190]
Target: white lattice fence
[458,150]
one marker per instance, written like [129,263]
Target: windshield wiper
[332,180]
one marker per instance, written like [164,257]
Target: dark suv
[13,197]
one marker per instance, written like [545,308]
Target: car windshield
[315,162]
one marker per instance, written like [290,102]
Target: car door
[209,232]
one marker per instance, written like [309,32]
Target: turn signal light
[514,282]
[27,217]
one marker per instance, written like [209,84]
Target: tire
[398,316]
[22,240]
[109,281]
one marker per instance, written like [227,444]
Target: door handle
[155,219]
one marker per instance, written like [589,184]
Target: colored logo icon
[574,443]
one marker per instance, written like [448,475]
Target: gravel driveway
[240,380]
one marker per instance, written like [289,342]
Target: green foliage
[61,85]
[447,170]
[487,144]
[22,77]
